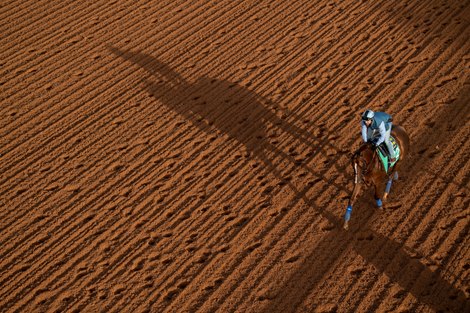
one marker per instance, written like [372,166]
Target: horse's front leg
[352,199]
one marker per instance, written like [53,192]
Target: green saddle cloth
[384,156]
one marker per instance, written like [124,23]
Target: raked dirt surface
[194,156]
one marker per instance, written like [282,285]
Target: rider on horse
[381,122]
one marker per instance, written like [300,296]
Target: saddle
[384,155]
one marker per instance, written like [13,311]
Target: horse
[370,170]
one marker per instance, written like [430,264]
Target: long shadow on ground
[221,106]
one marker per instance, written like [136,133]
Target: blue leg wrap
[379,202]
[347,216]
[389,185]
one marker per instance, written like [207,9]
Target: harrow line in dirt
[16,16]
[380,292]
[84,119]
[75,24]
[286,239]
[389,263]
[420,221]
[346,74]
[68,65]
[121,35]
[422,186]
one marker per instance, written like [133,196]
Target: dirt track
[182,156]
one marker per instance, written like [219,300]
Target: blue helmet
[367,115]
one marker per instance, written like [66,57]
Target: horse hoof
[346,226]
[385,196]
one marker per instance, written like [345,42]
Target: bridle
[365,168]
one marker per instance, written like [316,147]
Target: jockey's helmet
[367,115]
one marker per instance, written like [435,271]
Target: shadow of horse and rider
[220,106]
[247,118]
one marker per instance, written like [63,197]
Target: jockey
[379,121]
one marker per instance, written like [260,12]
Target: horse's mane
[359,150]
[372,161]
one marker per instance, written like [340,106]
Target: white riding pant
[388,143]
[375,134]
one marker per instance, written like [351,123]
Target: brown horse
[369,170]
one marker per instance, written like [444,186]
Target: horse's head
[362,161]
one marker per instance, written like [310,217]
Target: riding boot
[391,152]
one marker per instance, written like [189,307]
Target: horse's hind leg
[387,188]
[377,197]
[389,184]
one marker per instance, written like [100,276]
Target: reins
[365,170]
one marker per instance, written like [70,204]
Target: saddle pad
[384,157]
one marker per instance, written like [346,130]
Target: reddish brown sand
[183,156]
